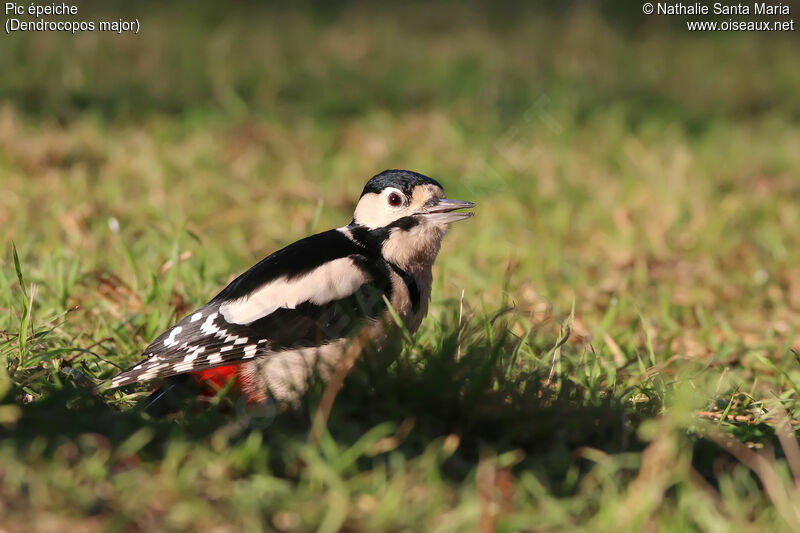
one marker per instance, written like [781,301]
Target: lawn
[612,343]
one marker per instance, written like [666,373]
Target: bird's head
[411,213]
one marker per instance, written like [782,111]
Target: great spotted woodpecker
[299,310]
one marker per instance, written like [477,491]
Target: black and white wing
[312,292]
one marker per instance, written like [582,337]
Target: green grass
[636,185]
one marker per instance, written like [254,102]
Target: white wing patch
[334,280]
[170,341]
[208,327]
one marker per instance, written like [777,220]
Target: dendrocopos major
[304,307]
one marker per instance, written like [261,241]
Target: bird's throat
[413,250]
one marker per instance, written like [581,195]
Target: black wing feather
[293,261]
[204,339]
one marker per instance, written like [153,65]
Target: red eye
[395,199]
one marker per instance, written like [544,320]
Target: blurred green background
[635,181]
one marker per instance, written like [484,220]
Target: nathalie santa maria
[718,8]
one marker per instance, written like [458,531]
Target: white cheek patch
[332,281]
[373,210]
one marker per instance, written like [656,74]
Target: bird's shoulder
[295,260]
